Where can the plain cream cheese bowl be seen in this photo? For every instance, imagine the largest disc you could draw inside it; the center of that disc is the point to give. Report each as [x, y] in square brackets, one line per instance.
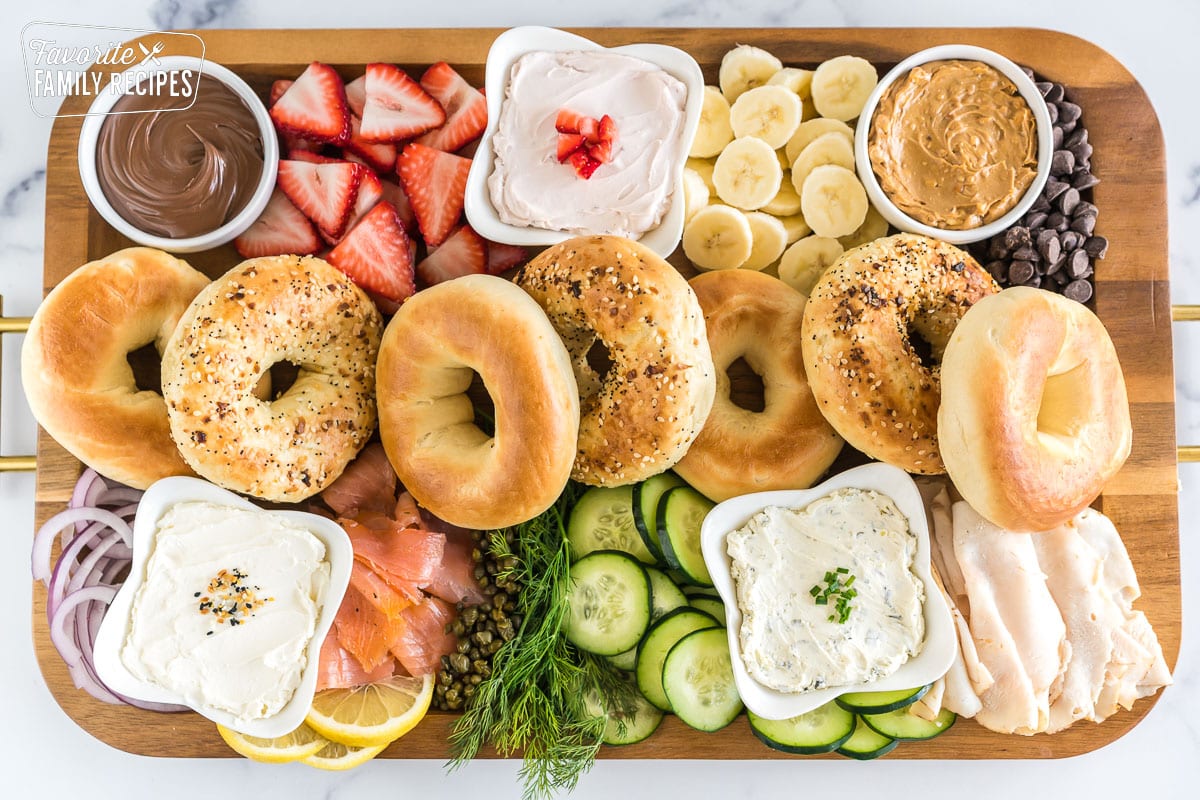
[111, 639]
[939, 646]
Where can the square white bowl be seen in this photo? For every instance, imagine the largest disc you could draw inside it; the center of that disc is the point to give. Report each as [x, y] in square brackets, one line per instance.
[113, 630]
[940, 645]
[516, 42]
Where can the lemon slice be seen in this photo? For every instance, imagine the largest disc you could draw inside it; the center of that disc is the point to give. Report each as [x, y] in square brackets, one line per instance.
[336, 756]
[371, 715]
[299, 744]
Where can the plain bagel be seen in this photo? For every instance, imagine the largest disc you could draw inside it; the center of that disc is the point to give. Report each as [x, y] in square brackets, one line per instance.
[1034, 417]
[640, 416]
[75, 370]
[787, 445]
[431, 349]
[264, 311]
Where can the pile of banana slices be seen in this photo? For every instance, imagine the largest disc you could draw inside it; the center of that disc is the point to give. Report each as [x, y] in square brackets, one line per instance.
[770, 182]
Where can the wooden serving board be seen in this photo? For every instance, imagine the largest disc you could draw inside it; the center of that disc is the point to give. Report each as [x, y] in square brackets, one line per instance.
[1132, 299]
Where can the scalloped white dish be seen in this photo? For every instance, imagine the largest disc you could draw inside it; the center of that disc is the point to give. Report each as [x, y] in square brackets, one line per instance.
[110, 639]
[505, 50]
[937, 652]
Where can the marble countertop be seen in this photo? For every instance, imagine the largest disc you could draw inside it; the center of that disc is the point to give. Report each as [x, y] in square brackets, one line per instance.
[42, 751]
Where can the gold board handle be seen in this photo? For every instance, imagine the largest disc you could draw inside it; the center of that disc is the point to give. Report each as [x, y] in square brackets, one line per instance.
[1184, 452]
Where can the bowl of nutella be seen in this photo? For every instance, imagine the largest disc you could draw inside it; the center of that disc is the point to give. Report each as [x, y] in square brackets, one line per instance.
[533, 180]
[184, 159]
[955, 143]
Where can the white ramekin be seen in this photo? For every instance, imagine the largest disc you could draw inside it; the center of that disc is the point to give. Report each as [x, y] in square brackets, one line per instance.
[89, 134]
[1045, 137]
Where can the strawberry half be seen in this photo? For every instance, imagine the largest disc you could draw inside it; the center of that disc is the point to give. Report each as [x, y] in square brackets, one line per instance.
[435, 182]
[465, 106]
[379, 156]
[503, 257]
[396, 107]
[377, 254]
[356, 95]
[280, 230]
[314, 106]
[464, 253]
[370, 192]
[277, 90]
[394, 194]
[324, 192]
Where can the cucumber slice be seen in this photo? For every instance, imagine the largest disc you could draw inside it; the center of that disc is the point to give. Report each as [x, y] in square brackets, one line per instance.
[664, 594]
[819, 731]
[698, 679]
[680, 512]
[602, 519]
[626, 661]
[709, 605]
[608, 603]
[881, 702]
[692, 590]
[905, 727]
[865, 744]
[621, 728]
[645, 507]
[652, 652]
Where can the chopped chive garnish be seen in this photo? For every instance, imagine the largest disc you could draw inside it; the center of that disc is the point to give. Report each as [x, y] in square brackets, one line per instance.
[839, 591]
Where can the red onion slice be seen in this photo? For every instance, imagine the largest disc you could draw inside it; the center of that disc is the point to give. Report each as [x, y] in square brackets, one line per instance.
[43, 542]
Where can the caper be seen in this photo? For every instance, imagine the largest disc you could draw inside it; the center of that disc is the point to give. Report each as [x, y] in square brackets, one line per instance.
[460, 662]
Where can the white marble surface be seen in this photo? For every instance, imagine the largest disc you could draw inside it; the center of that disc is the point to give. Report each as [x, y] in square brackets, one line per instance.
[42, 752]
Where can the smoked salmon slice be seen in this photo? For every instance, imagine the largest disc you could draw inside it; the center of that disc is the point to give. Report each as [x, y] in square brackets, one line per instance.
[376, 590]
[406, 513]
[368, 484]
[423, 641]
[409, 555]
[454, 580]
[366, 631]
[338, 669]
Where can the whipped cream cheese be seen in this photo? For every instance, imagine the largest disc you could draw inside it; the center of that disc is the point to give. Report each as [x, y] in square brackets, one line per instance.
[229, 603]
[625, 197]
[788, 641]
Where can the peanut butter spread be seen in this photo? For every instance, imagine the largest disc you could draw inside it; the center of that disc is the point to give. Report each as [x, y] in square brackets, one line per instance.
[954, 144]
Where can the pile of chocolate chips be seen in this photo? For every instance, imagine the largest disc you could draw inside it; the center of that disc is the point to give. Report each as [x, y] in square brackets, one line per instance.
[1054, 246]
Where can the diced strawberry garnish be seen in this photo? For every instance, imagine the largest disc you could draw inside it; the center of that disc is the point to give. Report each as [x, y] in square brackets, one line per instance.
[277, 90]
[569, 121]
[503, 257]
[396, 107]
[314, 106]
[608, 129]
[380, 156]
[370, 192]
[466, 108]
[568, 143]
[356, 95]
[584, 164]
[589, 128]
[435, 182]
[281, 229]
[324, 192]
[312, 157]
[377, 254]
[600, 152]
[464, 253]
[394, 194]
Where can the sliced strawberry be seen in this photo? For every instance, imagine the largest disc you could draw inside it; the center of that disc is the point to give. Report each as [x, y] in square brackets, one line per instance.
[568, 121]
[466, 108]
[324, 192]
[384, 305]
[608, 129]
[379, 156]
[396, 107]
[503, 257]
[280, 230]
[377, 254]
[356, 95]
[277, 90]
[301, 154]
[370, 192]
[568, 143]
[464, 253]
[394, 194]
[435, 182]
[314, 106]
[600, 152]
[589, 128]
[584, 164]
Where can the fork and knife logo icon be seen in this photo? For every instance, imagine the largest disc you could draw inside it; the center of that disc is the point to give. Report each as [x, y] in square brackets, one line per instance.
[151, 55]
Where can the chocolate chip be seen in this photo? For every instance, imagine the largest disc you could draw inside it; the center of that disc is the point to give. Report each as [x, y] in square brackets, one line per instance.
[997, 248]
[1020, 271]
[1044, 87]
[1086, 209]
[1057, 136]
[1096, 247]
[1055, 187]
[1078, 136]
[1062, 162]
[1068, 112]
[1067, 127]
[1055, 266]
[1077, 263]
[1084, 180]
[1025, 253]
[1035, 282]
[1079, 291]
[1056, 93]
[1071, 240]
[1082, 151]
[1040, 204]
[1068, 200]
[1060, 277]
[1035, 219]
[1058, 221]
[997, 269]
[1028, 72]
[1016, 237]
[1052, 110]
[1049, 246]
[1085, 225]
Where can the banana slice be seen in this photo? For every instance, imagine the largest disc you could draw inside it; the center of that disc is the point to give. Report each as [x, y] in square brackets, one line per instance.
[769, 240]
[713, 132]
[770, 113]
[786, 201]
[703, 168]
[745, 67]
[873, 227]
[718, 237]
[810, 130]
[833, 201]
[695, 193]
[796, 227]
[796, 80]
[832, 148]
[841, 86]
[747, 175]
[804, 262]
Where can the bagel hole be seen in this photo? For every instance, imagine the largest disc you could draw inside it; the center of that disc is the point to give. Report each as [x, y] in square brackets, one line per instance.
[485, 407]
[598, 359]
[921, 347]
[283, 375]
[745, 386]
[1063, 410]
[146, 365]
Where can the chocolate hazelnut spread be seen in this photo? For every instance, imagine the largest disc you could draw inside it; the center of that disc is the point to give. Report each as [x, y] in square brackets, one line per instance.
[177, 171]
[954, 144]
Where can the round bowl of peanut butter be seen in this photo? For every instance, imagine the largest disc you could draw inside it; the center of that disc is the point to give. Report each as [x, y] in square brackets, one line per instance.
[957, 144]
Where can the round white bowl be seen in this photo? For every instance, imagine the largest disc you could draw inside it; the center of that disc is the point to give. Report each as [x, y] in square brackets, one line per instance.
[940, 645]
[89, 134]
[1045, 138]
[516, 42]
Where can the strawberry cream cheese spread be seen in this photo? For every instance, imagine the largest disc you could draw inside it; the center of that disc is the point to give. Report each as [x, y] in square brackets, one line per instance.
[626, 196]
